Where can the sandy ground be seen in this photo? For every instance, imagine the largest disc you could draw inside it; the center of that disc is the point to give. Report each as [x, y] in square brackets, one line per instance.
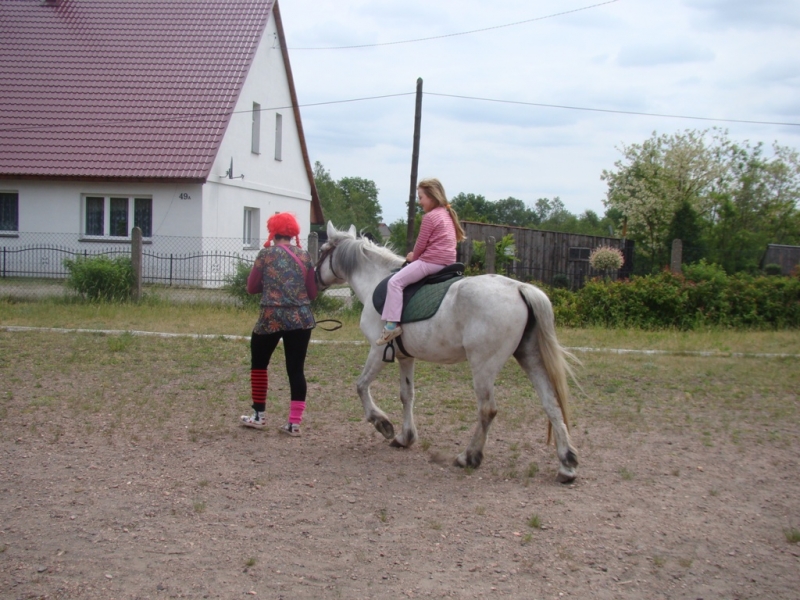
[337, 513]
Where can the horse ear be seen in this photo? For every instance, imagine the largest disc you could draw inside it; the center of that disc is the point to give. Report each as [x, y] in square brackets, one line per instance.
[352, 231]
[331, 229]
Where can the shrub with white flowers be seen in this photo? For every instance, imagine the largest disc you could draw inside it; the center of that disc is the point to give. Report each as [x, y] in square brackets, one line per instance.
[605, 258]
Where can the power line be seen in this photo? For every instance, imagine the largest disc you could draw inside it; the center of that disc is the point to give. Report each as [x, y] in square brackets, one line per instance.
[618, 112]
[87, 121]
[447, 35]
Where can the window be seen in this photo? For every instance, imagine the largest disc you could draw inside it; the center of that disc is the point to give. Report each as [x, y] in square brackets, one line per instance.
[278, 135]
[579, 253]
[143, 215]
[256, 134]
[250, 227]
[116, 216]
[9, 211]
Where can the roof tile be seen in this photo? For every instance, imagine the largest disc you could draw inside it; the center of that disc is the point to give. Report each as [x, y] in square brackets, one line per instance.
[112, 88]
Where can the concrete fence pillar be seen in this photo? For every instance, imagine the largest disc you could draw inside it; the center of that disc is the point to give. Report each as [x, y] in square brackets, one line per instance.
[313, 246]
[490, 254]
[677, 256]
[136, 259]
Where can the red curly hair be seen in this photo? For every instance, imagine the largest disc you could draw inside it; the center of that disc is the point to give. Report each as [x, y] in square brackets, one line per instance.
[284, 225]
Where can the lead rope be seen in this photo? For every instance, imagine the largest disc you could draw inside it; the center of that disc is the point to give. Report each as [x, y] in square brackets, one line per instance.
[338, 324]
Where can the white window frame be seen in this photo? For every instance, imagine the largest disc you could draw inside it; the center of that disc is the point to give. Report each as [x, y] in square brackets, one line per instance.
[250, 227]
[278, 136]
[255, 145]
[14, 231]
[130, 215]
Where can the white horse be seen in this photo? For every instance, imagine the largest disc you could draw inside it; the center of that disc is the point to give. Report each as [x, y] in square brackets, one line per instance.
[483, 320]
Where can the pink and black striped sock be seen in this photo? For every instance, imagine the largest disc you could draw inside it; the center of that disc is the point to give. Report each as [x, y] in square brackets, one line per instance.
[259, 382]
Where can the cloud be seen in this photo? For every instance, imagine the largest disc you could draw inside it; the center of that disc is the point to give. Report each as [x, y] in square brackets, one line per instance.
[705, 58]
[670, 53]
[746, 14]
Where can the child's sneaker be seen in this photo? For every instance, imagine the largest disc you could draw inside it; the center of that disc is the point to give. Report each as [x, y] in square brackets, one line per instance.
[292, 429]
[256, 420]
[387, 335]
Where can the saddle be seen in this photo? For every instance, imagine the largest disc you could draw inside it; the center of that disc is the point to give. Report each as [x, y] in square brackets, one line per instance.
[421, 300]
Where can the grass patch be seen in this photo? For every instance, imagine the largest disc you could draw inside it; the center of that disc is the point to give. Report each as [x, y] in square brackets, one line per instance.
[792, 535]
[150, 381]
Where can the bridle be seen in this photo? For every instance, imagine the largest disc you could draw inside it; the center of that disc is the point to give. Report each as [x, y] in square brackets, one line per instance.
[326, 254]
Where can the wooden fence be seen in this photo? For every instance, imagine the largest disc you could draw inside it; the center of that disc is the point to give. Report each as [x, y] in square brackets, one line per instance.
[551, 257]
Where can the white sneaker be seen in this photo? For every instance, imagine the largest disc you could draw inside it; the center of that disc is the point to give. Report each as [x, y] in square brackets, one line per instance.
[387, 335]
[292, 429]
[256, 420]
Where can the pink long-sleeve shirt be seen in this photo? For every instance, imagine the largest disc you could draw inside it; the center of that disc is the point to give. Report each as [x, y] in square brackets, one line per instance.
[437, 238]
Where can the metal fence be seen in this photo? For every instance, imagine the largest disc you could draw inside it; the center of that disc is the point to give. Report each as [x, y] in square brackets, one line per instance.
[33, 265]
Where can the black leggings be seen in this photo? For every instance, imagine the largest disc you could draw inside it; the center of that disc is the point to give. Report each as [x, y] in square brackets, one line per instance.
[295, 346]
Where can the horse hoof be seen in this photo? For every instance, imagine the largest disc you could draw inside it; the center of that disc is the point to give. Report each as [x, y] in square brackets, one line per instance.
[385, 428]
[565, 477]
[469, 459]
[395, 444]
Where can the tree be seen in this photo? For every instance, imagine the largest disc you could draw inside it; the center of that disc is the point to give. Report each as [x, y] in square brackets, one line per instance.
[655, 178]
[349, 201]
[514, 212]
[553, 215]
[756, 205]
[687, 227]
[472, 207]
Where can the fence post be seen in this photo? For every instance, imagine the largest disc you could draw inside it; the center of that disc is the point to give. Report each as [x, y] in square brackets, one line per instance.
[313, 246]
[490, 254]
[677, 256]
[136, 259]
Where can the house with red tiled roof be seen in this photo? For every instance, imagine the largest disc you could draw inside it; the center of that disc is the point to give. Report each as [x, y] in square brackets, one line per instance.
[179, 117]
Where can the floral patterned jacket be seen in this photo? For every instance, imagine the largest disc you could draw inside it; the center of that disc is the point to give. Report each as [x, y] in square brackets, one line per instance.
[285, 305]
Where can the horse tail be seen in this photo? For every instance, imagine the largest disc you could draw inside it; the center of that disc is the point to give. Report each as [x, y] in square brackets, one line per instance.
[542, 324]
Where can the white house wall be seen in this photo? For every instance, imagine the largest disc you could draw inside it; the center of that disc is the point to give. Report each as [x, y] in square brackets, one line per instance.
[268, 185]
[48, 208]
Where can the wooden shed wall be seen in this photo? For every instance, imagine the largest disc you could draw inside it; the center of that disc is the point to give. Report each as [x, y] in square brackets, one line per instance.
[541, 255]
[788, 257]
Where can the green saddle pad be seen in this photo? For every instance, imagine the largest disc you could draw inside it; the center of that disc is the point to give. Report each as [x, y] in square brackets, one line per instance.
[424, 304]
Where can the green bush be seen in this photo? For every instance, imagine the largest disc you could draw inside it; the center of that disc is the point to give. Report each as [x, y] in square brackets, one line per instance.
[704, 296]
[561, 280]
[236, 285]
[504, 255]
[773, 269]
[565, 306]
[100, 278]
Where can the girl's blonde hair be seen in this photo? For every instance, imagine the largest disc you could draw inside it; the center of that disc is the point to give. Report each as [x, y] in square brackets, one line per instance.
[435, 191]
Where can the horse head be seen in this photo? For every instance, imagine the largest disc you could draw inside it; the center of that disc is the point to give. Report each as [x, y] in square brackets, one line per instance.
[326, 275]
[358, 261]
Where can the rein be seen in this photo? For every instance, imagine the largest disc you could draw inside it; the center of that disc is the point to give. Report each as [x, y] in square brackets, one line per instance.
[338, 324]
[327, 253]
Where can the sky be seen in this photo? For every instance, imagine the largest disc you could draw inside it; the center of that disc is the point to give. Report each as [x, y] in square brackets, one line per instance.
[533, 98]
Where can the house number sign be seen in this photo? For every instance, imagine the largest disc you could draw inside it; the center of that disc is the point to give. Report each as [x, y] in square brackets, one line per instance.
[185, 196]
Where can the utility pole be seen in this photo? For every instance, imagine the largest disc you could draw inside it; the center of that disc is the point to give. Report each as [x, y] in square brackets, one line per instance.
[412, 196]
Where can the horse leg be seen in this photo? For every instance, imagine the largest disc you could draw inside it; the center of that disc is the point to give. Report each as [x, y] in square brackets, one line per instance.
[531, 363]
[409, 434]
[484, 373]
[372, 413]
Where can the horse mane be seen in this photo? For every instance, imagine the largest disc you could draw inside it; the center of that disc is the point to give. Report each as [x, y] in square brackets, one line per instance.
[351, 252]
